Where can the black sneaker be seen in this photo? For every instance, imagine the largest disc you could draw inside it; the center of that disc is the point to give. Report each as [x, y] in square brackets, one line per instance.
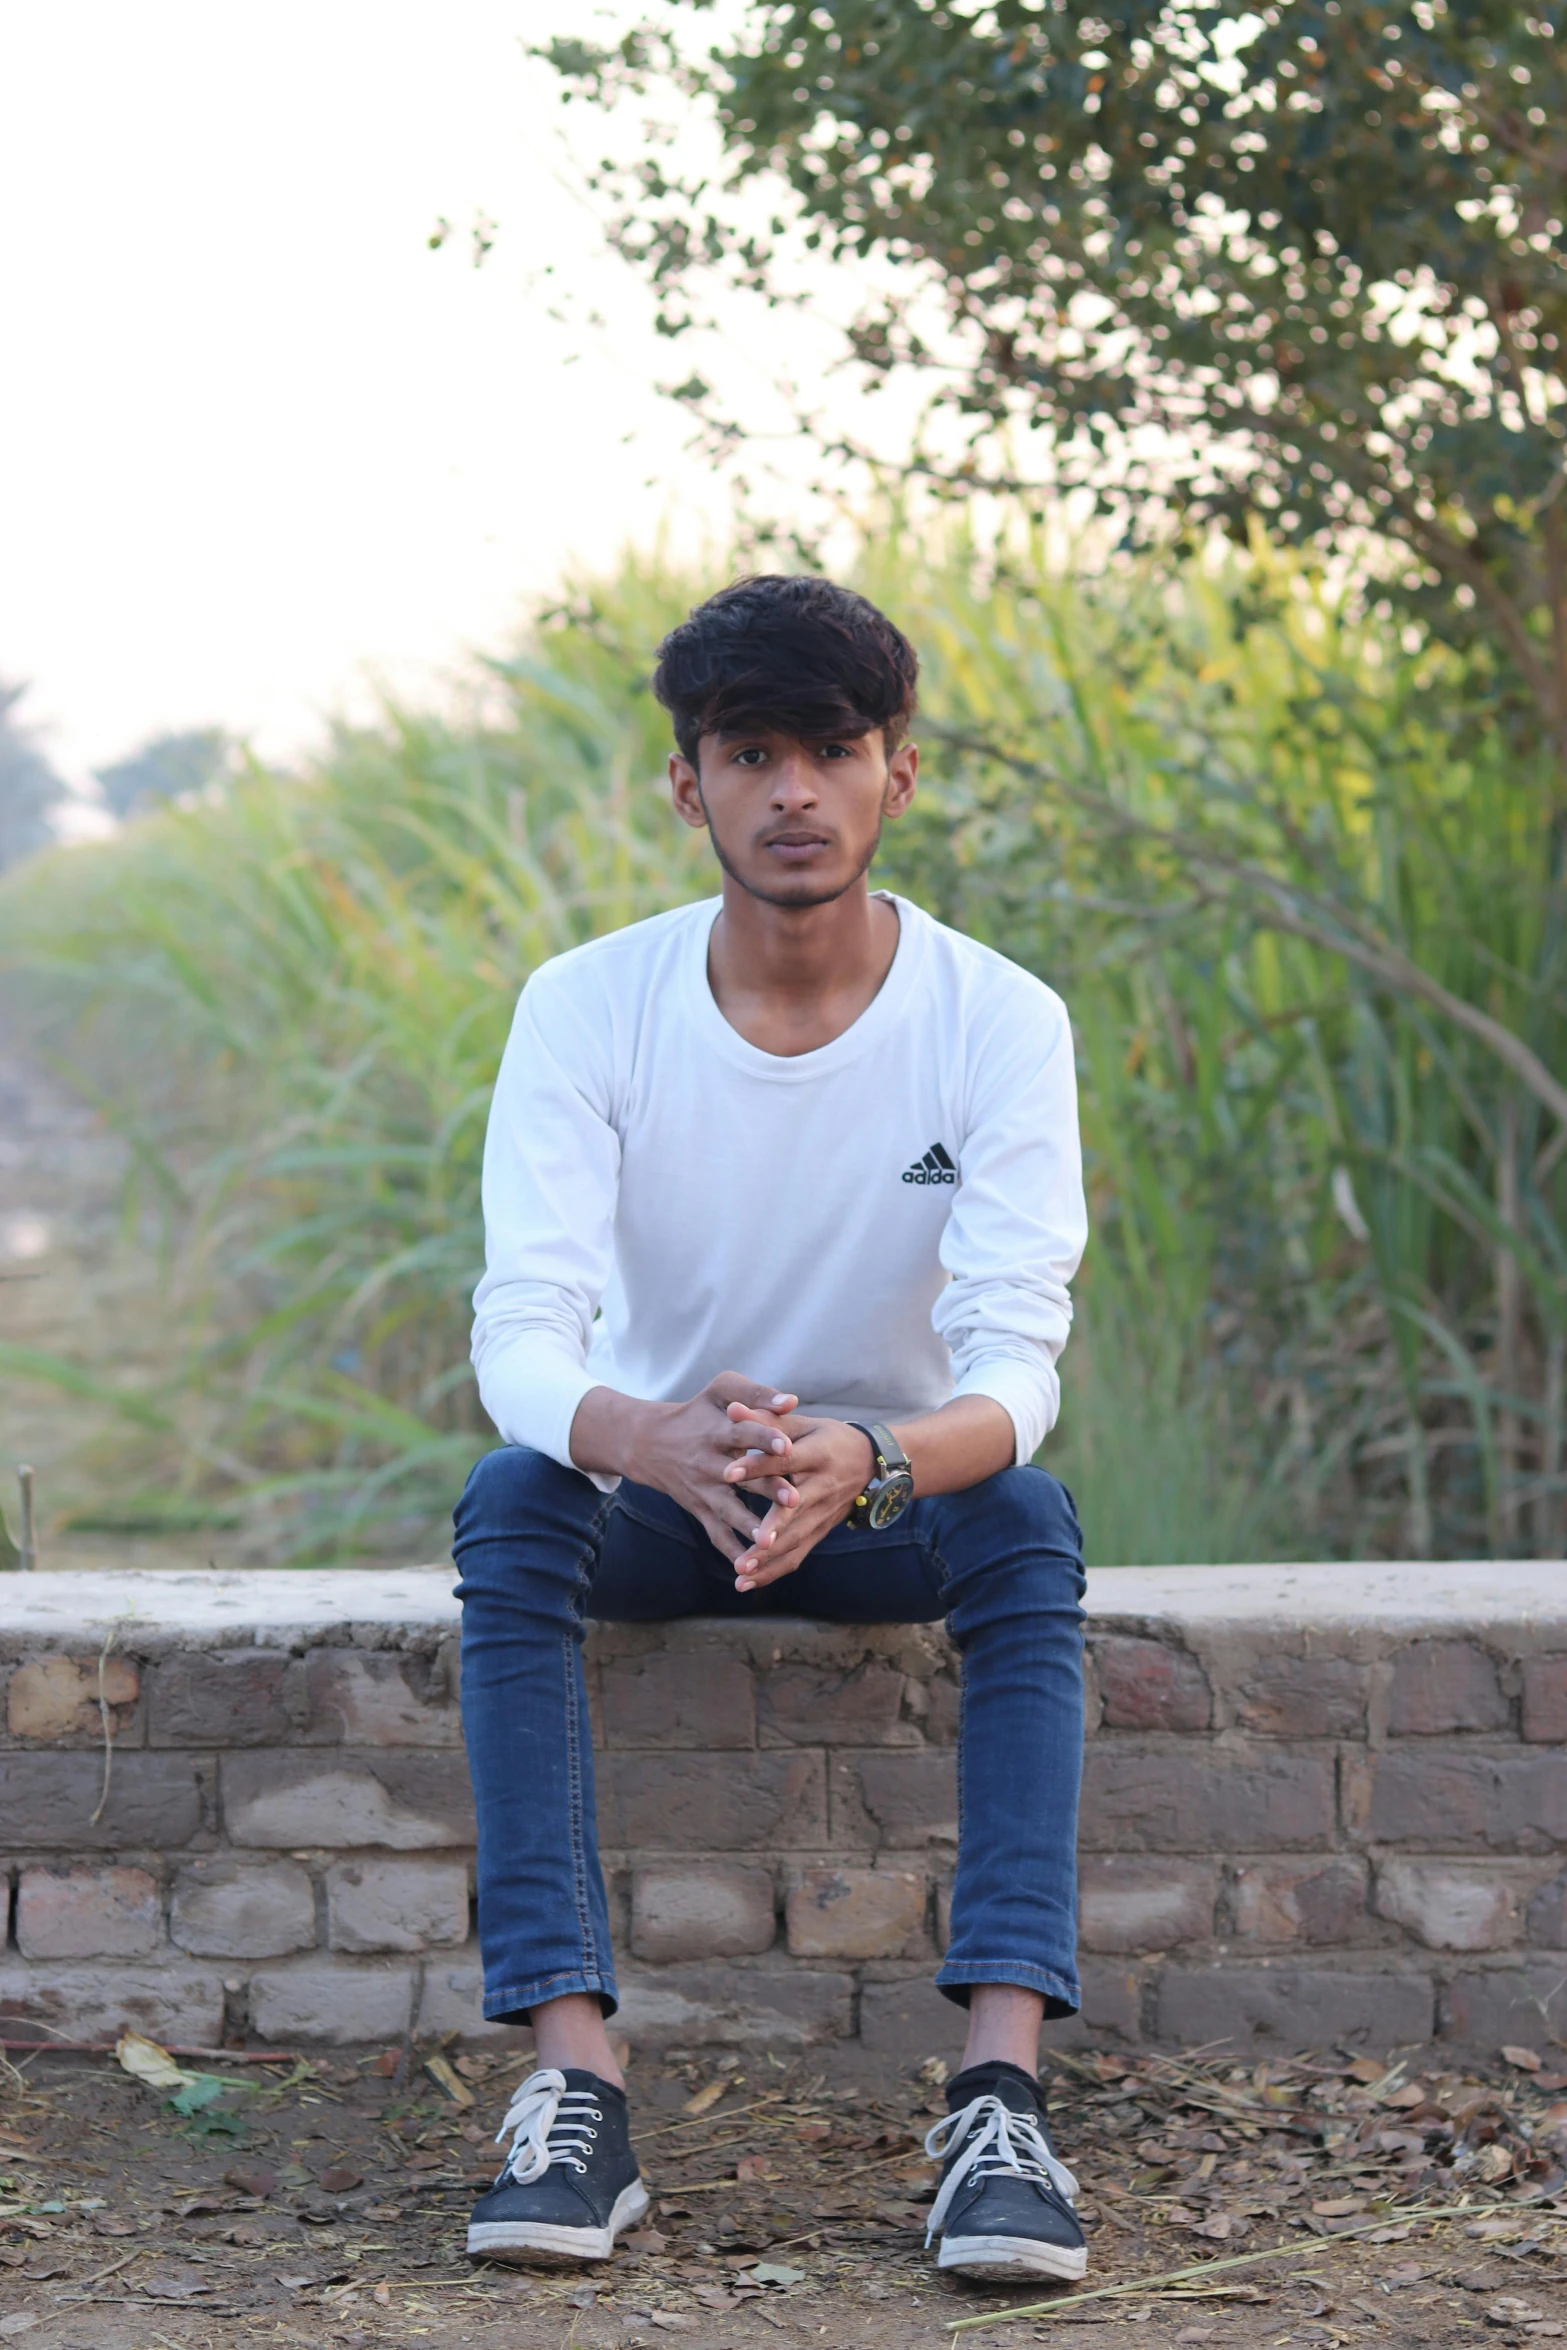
[570, 2183]
[1003, 2210]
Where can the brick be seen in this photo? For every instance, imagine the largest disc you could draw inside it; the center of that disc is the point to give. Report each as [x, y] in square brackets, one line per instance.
[1311, 1901]
[698, 1698]
[1519, 2006]
[857, 1913]
[943, 1914]
[1441, 1685]
[1303, 1697]
[1149, 1685]
[1545, 1700]
[1460, 1801]
[155, 1801]
[331, 2000]
[97, 2002]
[1127, 1903]
[1112, 2006]
[894, 1800]
[1293, 2007]
[735, 2007]
[694, 1803]
[88, 1913]
[941, 1720]
[359, 1697]
[803, 1706]
[1547, 1918]
[451, 1999]
[56, 1697]
[396, 1904]
[405, 1801]
[910, 2021]
[1447, 1904]
[243, 1909]
[686, 1914]
[1211, 1799]
[218, 1697]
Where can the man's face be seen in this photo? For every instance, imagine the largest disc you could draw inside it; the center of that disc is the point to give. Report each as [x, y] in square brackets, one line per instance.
[794, 823]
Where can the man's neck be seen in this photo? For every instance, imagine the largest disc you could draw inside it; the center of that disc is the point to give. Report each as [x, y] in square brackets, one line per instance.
[790, 979]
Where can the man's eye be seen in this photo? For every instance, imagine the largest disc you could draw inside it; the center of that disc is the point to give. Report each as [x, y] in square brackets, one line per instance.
[752, 756]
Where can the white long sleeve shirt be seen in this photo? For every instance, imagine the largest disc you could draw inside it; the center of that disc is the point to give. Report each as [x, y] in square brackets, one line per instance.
[875, 1226]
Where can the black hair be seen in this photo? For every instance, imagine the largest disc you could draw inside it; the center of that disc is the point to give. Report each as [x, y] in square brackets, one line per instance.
[792, 655]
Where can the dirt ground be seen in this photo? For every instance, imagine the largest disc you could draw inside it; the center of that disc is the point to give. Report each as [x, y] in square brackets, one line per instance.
[326, 2201]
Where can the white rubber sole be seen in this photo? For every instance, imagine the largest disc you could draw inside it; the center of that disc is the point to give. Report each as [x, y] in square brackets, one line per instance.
[1000, 2259]
[499, 2239]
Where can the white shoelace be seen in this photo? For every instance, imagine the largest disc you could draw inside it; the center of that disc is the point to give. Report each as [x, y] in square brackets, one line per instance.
[547, 2122]
[1004, 2143]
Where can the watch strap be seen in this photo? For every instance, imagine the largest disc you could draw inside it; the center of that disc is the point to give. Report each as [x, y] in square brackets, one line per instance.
[886, 1452]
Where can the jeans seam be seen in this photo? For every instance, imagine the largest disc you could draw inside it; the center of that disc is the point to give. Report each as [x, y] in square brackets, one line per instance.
[569, 1642]
[944, 1575]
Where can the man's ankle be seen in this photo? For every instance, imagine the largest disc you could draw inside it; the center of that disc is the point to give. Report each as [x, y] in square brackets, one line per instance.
[1003, 2026]
[569, 2036]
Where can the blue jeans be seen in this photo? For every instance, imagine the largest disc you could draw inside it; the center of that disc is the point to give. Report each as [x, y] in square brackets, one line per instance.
[540, 1548]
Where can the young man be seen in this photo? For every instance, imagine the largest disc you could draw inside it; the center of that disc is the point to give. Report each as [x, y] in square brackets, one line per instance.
[806, 1131]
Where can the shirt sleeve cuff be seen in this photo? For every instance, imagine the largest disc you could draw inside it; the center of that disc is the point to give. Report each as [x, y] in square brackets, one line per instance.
[1028, 1393]
[536, 1407]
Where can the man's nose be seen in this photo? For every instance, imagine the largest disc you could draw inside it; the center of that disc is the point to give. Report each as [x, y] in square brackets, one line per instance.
[794, 782]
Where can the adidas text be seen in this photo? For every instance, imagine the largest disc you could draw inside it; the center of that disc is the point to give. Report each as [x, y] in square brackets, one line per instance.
[935, 1167]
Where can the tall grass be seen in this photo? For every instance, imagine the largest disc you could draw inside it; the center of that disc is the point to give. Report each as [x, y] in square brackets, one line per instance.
[1230, 817]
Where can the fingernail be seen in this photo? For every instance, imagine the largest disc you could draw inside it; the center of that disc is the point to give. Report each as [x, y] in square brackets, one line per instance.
[779, 1402]
[780, 1444]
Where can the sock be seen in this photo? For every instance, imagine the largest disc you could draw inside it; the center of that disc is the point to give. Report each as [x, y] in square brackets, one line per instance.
[995, 2077]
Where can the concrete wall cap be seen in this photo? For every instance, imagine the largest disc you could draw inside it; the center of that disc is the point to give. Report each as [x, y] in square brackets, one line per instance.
[154, 1608]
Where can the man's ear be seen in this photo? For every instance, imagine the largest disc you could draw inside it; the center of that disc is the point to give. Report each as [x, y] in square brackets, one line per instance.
[686, 792]
[902, 769]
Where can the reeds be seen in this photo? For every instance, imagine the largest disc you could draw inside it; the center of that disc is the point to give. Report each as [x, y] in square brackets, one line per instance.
[1298, 903]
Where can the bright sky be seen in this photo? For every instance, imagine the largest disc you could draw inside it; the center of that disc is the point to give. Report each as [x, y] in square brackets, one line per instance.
[256, 439]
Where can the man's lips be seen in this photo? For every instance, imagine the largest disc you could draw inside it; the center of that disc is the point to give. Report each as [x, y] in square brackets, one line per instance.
[795, 847]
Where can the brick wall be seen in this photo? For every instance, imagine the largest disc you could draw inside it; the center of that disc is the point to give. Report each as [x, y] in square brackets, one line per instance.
[1319, 1804]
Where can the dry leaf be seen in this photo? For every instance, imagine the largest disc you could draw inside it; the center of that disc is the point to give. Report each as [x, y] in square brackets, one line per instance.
[1406, 2099]
[1523, 2060]
[706, 2098]
[440, 2071]
[146, 2061]
[251, 2179]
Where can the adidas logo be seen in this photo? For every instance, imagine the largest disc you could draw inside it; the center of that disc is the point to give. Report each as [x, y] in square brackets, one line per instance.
[934, 1167]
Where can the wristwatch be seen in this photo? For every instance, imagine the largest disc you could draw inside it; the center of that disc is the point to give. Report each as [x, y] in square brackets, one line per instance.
[890, 1490]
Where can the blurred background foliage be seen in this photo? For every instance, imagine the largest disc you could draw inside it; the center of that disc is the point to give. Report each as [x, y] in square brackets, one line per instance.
[1304, 904]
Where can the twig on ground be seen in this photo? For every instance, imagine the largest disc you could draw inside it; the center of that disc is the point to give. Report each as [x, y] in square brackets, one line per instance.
[85, 2284]
[1139, 2287]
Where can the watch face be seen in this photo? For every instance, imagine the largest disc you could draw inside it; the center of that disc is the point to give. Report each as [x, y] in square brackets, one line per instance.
[890, 1498]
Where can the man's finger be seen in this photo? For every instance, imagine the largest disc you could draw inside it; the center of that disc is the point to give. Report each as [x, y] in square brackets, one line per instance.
[755, 1435]
[731, 1542]
[731, 1387]
[770, 1570]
